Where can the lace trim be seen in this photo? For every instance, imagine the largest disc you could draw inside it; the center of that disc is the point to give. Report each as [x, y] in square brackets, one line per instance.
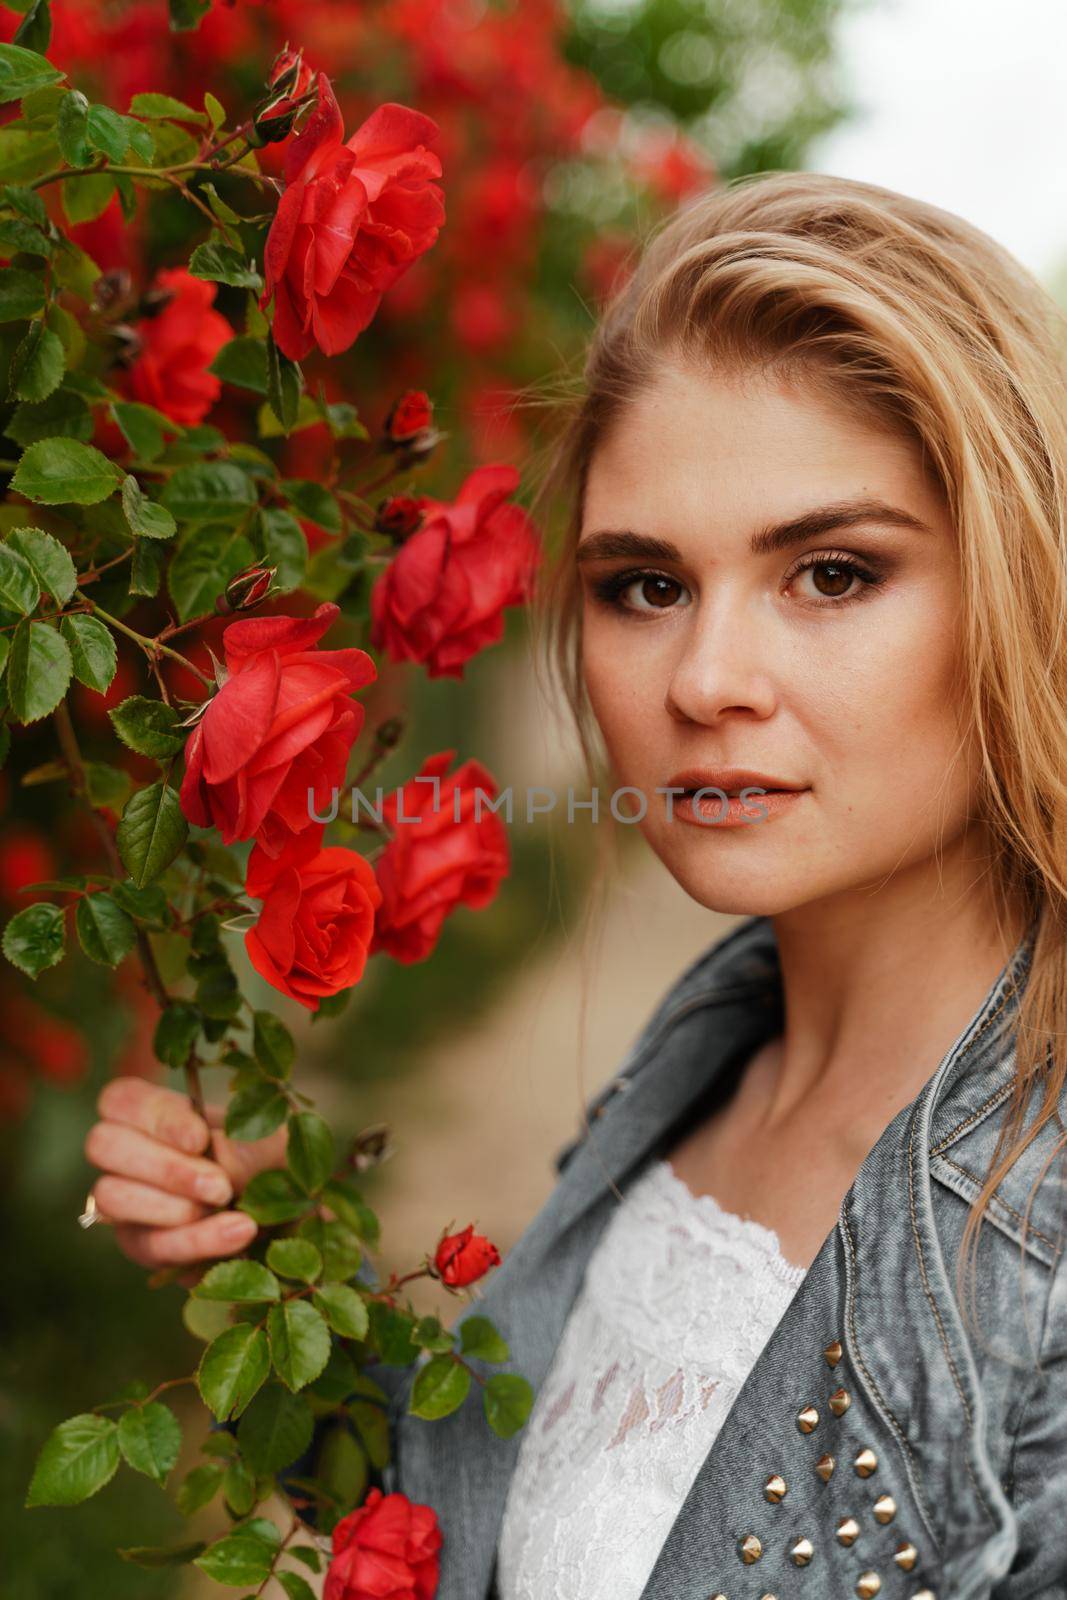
[788, 1271]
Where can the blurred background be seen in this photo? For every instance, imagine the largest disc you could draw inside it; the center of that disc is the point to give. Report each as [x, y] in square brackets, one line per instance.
[567, 130]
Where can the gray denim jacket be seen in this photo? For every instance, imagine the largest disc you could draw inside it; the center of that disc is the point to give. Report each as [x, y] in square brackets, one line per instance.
[949, 1455]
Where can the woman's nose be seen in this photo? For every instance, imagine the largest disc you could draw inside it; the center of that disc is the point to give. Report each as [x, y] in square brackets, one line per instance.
[722, 664]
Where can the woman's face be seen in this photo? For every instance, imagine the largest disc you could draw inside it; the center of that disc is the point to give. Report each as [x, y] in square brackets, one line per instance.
[770, 583]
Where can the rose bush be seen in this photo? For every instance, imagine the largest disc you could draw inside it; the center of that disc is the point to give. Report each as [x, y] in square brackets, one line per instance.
[129, 518]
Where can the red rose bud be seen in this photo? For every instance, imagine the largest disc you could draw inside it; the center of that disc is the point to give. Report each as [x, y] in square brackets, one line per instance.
[289, 80]
[246, 589]
[409, 415]
[464, 1257]
[387, 1549]
[399, 517]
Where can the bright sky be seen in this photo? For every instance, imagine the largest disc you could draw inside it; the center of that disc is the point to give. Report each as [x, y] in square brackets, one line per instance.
[965, 107]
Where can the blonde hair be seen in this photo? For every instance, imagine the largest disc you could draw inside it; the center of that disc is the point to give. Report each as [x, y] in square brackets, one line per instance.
[932, 327]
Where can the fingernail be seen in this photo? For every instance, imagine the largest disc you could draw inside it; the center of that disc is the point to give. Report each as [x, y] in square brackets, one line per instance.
[214, 1187]
[239, 1229]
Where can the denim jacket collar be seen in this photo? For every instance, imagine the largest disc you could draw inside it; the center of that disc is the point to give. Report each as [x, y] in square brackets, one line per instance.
[880, 1278]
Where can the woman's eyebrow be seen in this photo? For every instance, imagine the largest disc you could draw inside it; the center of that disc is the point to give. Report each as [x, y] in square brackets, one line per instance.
[609, 542]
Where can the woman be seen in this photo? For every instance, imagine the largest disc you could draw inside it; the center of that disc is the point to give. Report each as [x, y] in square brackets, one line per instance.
[817, 550]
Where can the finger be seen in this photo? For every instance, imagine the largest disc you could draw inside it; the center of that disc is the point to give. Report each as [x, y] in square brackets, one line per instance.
[222, 1234]
[116, 1147]
[163, 1113]
[243, 1158]
[124, 1200]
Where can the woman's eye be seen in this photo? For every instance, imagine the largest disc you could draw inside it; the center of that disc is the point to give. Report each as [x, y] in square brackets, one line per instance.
[642, 591]
[835, 579]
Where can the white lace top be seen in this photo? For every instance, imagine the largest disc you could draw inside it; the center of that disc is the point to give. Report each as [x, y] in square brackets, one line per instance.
[678, 1299]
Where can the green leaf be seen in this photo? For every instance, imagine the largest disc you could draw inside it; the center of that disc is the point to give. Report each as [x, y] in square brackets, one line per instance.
[284, 546]
[146, 572]
[106, 786]
[186, 14]
[255, 1111]
[38, 671]
[243, 362]
[237, 1559]
[106, 933]
[149, 905]
[431, 1336]
[205, 561]
[59, 471]
[232, 1368]
[23, 71]
[245, 1282]
[299, 1342]
[221, 263]
[35, 938]
[198, 1487]
[296, 1587]
[314, 502]
[478, 1337]
[143, 427]
[273, 1044]
[272, 1197]
[150, 1439]
[77, 1459]
[38, 364]
[344, 1309]
[275, 1430]
[105, 130]
[283, 386]
[176, 1033]
[34, 32]
[151, 832]
[310, 1156]
[148, 726]
[165, 105]
[205, 1320]
[207, 490]
[63, 415]
[239, 1488]
[76, 270]
[92, 651]
[141, 140]
[295, 1258]
[391, 1331]
[175, 1555]
[338, 1246]
[507, 1399]
[440, 1387]
[27, 153]
[16, 234]
[85, 198]
[308, 1555]
[50, 560]
[21, 294]
[345, 1200]
[215, 109]
[145, 517]
[70, 129]
[19, 587]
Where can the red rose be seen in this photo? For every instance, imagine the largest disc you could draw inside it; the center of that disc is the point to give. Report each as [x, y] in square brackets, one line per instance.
[282, 723]
[464, 1257]
[385, 1550]
[352, 219]
[400, 516]
[313, 934]
[177, 347]
[435, 863]
[408, 416]
[442, 598]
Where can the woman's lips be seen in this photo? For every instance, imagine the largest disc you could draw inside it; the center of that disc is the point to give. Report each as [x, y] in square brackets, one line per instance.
[715, 810]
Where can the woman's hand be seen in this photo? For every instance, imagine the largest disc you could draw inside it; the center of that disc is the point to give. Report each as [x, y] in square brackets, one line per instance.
[166, 1171]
